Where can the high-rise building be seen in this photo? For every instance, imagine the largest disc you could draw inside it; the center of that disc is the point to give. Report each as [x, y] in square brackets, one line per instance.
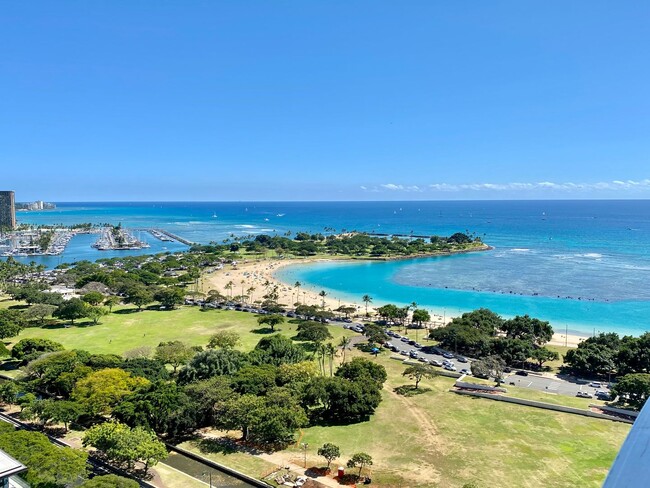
[7, 210]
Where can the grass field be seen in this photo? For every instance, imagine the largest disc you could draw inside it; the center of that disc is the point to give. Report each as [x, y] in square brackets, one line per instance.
[434, 439]
[126, 329]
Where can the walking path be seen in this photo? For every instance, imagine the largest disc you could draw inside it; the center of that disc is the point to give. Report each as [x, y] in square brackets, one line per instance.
[280, 460]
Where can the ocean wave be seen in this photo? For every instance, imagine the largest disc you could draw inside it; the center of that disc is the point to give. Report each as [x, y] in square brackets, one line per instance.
[590, 255]
[520, 249]
[245, 226]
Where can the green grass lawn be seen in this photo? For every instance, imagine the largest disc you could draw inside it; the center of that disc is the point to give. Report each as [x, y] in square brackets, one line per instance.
[442, 439]
[125, 329]
[436, 439]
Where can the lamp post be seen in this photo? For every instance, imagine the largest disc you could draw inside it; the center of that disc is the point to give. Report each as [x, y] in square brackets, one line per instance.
[209, 477]
[304, 447]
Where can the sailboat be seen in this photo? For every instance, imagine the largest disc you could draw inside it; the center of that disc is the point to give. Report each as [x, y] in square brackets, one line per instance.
[214, 215]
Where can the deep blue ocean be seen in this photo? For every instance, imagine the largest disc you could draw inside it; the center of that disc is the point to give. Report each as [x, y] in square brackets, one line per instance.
[584, 265]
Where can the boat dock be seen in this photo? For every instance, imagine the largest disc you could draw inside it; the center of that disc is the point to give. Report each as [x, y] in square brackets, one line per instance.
[166, 236]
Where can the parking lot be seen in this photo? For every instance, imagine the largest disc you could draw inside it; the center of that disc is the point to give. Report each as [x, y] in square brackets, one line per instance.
[535, 381]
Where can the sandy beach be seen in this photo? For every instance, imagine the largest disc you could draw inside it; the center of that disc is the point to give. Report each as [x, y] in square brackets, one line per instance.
[259, 275]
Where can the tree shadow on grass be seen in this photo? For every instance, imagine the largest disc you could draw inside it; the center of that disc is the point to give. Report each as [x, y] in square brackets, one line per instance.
[10, 365]
[410, 390]
[18, 307]
[264, 330]
[126, 311]
[227, 445]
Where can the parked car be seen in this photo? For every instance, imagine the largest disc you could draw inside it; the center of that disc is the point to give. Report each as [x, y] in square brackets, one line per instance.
[461, 359]
[584, 394]
[603, 395]
[435, 362]
[465, 371]
[448, 355]
[596, 384]
[411, 342]
[387, 345]
[418, 345]
[423, 359]
[404, 339]
[413, 354]
[394, 348]
[522, 373]
[404, 353]
[449, 367]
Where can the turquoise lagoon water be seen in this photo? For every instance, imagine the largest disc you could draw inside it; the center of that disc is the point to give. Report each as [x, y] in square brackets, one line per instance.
[581, 264]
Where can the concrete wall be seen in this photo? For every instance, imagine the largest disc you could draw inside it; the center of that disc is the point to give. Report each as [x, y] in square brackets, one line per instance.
[219, 467]
[546, 406]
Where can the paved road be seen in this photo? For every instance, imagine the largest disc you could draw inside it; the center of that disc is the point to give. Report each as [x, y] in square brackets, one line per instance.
[532, 380]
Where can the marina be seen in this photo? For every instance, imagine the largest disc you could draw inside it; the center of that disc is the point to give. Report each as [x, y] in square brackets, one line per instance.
[118, 238]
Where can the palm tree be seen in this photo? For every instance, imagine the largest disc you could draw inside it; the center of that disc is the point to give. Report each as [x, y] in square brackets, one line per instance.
[297, 285]
[331, 352]
[367, 299]
[321, 350]
[229, 286]
[323, 294]
[242, 286]
[250, 293]
[344, 344]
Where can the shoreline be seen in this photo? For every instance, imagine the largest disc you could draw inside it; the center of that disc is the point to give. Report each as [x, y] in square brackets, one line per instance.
[260, 275]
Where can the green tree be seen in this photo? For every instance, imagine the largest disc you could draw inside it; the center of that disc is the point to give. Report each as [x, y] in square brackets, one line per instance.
[272, 320]
[111, 301]
[95, 313]
[27, 350]
[109, 481]
[170, 297]
[490, 366]
[162, 406]
[48, 465]
[71, 310]
[344, 344]
[139, 295]
[360, 460]
[375, 334]
[213, 362]
[57, 411]
[256, 380]
[420, 316]
[11, 323]
[39, 311]
[174, 353]
[633, 389]
[543, 354]
[93, 298]
[276, 350]
[536, 331]
[224, 340]
[417, 372]
[361, 369]
[100, 391]
[313, 332]
[330, 452]
[124, 445]
[322, 294]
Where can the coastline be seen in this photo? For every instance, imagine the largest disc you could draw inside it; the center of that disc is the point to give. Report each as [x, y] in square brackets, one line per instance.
[261, 275]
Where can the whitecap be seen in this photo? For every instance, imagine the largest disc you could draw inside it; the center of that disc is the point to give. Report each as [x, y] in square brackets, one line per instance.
[590, 255]
[245, 226]
[520, 249]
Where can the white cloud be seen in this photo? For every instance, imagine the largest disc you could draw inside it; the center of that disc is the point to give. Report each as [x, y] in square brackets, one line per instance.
[543, 186]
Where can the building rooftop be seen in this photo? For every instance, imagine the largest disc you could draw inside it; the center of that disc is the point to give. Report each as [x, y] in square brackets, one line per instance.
[9, 466]
[631, 468]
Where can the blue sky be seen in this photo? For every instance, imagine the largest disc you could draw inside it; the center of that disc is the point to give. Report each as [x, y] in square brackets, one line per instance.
[335, 100]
